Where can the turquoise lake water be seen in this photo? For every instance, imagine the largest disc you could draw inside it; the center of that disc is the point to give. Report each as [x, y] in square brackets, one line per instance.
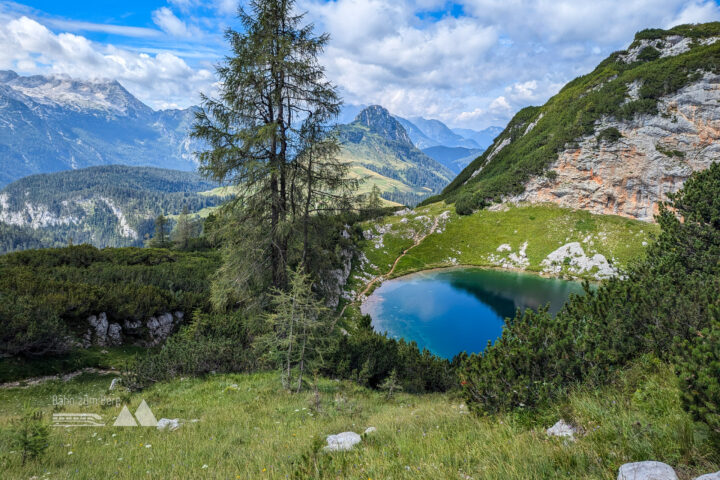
[455, 310]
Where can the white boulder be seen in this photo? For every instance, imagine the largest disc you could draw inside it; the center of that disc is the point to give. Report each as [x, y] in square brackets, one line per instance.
[646, 471]
[114, 334]
[562, 429]
[709, 476]
[342, 441]
[169, 424]
[100, 325]
[370, 430]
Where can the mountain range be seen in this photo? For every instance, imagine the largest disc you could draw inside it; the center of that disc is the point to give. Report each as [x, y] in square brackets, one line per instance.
[615, 141]
[53, 123]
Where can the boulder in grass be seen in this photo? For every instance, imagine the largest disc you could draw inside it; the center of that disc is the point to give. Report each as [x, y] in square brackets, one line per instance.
[342, 441]
[709, 476]
[646, 471]
[169, 424]
[370, 430]
[562, 429]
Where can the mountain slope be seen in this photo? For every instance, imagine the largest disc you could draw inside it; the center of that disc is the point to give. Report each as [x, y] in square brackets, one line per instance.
[614, 141]
[48, 124]
[105, 206]
[376, 141]
[454, 158]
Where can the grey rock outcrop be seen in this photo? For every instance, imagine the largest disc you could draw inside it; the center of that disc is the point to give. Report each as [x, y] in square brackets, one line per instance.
[99, 325]
[114, 334]
[342, 441]
[646, 471]
[654, 157]
[152, 332]
[336, 279]
[160, 327]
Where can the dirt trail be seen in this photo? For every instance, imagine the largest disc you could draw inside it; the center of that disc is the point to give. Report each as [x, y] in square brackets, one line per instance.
[418, 241]
[29, 382]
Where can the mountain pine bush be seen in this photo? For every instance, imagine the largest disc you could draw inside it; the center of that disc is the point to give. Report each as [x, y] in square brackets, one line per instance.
[667, 306]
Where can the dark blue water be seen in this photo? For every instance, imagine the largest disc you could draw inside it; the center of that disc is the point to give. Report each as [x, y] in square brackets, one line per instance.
[456, 310]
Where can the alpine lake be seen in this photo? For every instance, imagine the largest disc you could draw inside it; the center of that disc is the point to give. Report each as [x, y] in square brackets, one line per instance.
[452, 310]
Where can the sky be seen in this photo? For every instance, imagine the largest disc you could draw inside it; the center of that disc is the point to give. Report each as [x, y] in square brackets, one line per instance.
[469, 63]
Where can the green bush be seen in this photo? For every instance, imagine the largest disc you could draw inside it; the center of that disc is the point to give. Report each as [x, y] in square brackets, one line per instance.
[667, 306]
[210, 343]
[698, 361]
[648, 54]
[47, 295]
[371, 359]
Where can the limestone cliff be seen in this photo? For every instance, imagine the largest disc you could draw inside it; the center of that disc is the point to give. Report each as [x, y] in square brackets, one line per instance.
[654, 156]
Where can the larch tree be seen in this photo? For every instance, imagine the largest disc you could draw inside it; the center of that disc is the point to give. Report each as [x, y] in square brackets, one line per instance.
[267, 133]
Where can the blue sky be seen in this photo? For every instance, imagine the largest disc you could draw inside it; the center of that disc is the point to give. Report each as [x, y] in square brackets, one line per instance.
[469, 63]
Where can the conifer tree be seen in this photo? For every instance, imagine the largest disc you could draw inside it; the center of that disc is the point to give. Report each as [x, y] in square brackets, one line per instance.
[183, 230]
[267, 134]
[296, 329]
[160, 230]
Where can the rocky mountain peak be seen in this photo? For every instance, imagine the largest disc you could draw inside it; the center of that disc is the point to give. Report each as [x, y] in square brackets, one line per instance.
[61, 90]
[379, 121]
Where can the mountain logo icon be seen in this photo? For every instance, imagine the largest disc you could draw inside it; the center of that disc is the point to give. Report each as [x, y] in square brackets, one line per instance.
[144, 416]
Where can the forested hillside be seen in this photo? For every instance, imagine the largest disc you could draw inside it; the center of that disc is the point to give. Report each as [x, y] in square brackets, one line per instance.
[103, 206]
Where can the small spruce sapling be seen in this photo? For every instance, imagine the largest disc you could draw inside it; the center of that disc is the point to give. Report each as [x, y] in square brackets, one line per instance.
[30, 435]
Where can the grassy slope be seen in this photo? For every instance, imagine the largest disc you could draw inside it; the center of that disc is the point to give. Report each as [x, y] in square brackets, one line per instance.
[256, 430]
[470, 240]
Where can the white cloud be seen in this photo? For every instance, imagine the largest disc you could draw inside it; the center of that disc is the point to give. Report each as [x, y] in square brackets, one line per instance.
[484, 66]
[158, 80]
[166, 19]
[411, 56]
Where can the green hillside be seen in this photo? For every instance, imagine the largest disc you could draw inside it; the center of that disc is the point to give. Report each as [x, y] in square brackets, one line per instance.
[516, 238]
[377, 142]
[104, 206]
[535, 135]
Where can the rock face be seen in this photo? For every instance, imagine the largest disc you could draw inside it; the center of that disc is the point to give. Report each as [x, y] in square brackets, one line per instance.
[646, 471]
[379, 121]
[654, 156]
[100, 325]
[152, 332]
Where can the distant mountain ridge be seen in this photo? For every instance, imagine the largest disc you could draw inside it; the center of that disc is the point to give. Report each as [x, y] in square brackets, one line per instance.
[54, 123]
[454, 158]
[426, 133]
[381, 152]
